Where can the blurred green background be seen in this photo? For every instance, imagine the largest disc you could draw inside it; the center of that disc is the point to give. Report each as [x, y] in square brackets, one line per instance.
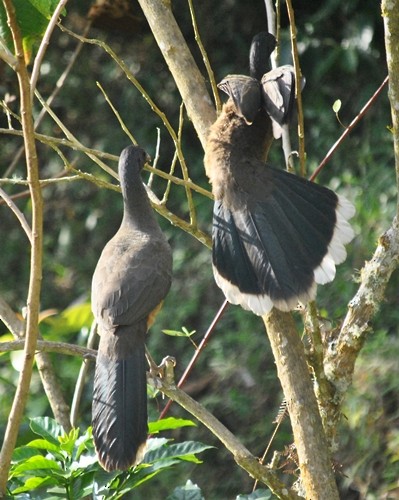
[342, 56]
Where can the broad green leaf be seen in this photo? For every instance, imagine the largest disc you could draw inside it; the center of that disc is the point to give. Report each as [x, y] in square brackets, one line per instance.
[32, 23]
[260, 494]
[154, 444]
[71, 320]
[47, 428]
[82, 486]
[84, 443]
[183, 451]
[189, 491]
[169, 424]
[44, 444]
[35, 482]
[36, 463]
[45, 7]
[23, 453]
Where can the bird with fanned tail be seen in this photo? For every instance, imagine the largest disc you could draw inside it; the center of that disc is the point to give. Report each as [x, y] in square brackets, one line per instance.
[275, 235]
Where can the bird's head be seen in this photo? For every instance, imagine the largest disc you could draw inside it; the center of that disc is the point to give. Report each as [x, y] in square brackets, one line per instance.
[132, 160]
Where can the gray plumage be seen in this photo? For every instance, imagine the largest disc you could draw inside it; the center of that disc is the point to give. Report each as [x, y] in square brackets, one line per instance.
[132, 277]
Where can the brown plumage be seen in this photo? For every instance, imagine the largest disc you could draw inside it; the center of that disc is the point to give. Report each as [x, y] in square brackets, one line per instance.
[275, 235]
[132, 277]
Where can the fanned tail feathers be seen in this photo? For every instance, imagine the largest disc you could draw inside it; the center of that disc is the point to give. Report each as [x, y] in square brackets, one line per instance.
[273, 251]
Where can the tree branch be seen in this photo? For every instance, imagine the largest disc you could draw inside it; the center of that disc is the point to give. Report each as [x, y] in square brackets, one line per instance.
[390, 13]
[241, 455]
[47, 346]
[189, 81]
[375, 275]
[317, 475]
[33, 299]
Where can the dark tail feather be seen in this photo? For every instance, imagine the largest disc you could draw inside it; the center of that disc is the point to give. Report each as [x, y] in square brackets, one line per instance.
[119, 411]
[273, 251]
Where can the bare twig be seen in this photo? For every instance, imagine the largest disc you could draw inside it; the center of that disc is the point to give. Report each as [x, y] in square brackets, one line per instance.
[47, 346]
[118, 116]
[298, 88]
[44, 44]
[198, 352]
[81, 380]
[53, 389]
[205, 58]
[15, 323]
[50, 141]
[181, 64]
[349, 129]
[54, 93]
[19, 215]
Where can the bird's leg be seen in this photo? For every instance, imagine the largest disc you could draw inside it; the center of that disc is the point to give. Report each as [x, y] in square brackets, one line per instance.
[163, 371]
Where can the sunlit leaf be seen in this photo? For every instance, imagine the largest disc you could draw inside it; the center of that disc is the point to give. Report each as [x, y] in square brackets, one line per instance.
[32, 17]
[23, 453]
[183, 451]
[189, 491]
[36, 463]
[35, 482]
[256, 495]
[47, 428]
[337, 105]
[169, 424]
[71, 320]
[44, 444]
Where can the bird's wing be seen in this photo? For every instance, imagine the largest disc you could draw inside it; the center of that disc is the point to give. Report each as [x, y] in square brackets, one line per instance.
[130, 281]
[278, 92]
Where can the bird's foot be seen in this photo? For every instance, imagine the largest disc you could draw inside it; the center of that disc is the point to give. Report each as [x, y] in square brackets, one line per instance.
[164, 371]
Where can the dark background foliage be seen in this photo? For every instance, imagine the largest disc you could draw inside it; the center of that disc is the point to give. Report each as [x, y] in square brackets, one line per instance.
[342, 55]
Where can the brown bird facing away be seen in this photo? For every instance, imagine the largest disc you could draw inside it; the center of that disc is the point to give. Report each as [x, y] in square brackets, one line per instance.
[132, 277]
[275, 235]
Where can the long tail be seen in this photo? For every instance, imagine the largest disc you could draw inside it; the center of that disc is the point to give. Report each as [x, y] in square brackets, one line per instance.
[119, 410]
[274, 250]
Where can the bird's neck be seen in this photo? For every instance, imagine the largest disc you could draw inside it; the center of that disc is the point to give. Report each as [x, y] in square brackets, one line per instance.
[232, 143]
[137, 211]
[255, 139]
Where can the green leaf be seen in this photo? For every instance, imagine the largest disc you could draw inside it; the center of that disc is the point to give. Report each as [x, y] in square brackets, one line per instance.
[260, 494]
[44, 444]
[45, 7]
[71, 320]
[84, 443]
[36, 463]
[176, 333]
[32, 18]
[337, 106]
[23, 453]
[35, 482]
[183, 451]
[47, 428]
[169, 424]
[189, 491]
[67, 441]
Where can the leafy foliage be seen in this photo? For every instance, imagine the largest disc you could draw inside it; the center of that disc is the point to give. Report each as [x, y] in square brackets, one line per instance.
[32, 17]
[59, 465]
